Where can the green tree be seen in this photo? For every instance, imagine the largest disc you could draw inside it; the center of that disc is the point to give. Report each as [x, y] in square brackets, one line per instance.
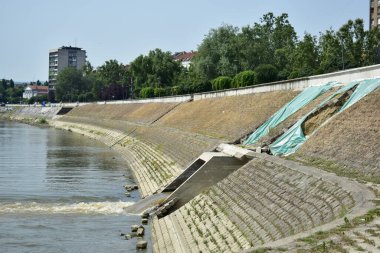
[111, 72]
[305, 57]
[266, 73]
[157, 69]
[159, 92]
[70, 83]
[88, 69]
[273, 36]
[371, 53]
[218, 53]
[147, 92]
[221, 83]
[331, 52]
[244, 78]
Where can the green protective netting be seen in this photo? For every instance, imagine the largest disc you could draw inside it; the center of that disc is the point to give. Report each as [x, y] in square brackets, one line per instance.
[292, 140]
[361, 91]
[305, 97]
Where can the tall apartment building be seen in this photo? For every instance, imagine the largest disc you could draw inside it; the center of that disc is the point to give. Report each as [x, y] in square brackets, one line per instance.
[62, 58]
[374, 14]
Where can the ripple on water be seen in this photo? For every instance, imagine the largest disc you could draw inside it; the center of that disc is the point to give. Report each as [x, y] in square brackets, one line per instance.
[105, 208]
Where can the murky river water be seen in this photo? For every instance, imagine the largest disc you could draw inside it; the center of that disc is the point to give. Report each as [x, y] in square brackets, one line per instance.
[61, 192]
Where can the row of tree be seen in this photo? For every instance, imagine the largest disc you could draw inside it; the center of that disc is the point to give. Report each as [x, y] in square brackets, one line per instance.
[9, 93]
[227, 57]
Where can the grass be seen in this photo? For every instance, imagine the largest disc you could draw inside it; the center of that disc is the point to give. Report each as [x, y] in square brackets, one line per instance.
[42, 121]
[319, 241]
[334, 167]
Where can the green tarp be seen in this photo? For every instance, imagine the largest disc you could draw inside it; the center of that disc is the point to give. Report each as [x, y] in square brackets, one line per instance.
[305, 97]
[361, 91]
[292, 140]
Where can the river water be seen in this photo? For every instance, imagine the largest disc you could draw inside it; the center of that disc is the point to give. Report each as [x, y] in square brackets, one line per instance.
[61, 192]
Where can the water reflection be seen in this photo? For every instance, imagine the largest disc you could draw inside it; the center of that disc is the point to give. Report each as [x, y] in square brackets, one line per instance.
[61, 192]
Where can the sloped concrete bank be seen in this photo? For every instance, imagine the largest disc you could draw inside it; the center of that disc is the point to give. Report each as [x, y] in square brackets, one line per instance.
[152, 168]
[29, 114]
[268, 202]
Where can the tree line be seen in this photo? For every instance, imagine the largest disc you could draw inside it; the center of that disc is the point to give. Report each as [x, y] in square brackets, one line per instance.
[10, 93]
[228, 56]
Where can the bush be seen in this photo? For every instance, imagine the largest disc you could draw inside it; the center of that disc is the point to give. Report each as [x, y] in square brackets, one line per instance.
[199, 87]
[159, 92]
[221, 83]
[147, 92]
[243, 79]
[176, 90]
[42, 121]
[266, 73]
[294, 74]
[89, 96]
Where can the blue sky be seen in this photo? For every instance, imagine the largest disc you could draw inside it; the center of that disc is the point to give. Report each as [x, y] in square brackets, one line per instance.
[124, 29]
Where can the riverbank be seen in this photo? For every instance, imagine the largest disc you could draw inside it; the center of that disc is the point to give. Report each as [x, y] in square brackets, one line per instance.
[268, 202]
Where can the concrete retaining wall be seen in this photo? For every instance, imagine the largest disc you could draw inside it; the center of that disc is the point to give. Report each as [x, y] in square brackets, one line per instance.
[174, 99]
[345, 76]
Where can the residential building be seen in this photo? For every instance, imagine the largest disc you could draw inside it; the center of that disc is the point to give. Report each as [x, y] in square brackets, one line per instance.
[374, 14]
[184, 57]
[62, 58]
[35, 90]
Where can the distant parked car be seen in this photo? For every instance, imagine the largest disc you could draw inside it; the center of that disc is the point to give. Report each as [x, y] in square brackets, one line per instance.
[2, 104]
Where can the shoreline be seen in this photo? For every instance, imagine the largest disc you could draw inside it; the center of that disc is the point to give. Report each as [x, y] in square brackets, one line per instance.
[100, 180]
[221, 212]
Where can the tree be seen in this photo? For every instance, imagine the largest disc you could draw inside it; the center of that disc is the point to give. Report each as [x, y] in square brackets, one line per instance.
[157, 70]
[273, 36]
[147, 92]
[11, 83]
[218, 53]
[221, 83]
[266, 73]
[352, 39]
[70, 83]
[244, 78]
[227, 50]
[371, 53]
[88, 68]
[305, 57]
[331, 52]
[111, 74]
[159, 92]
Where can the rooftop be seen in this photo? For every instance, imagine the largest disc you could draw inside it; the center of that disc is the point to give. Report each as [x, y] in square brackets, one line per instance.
[65, 47]
[184, 56]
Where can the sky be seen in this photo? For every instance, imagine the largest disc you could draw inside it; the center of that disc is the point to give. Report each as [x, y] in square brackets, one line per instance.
[125, 29]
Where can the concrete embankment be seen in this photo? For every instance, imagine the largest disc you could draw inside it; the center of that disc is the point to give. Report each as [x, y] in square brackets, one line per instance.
[266, 201]
[29, 114]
